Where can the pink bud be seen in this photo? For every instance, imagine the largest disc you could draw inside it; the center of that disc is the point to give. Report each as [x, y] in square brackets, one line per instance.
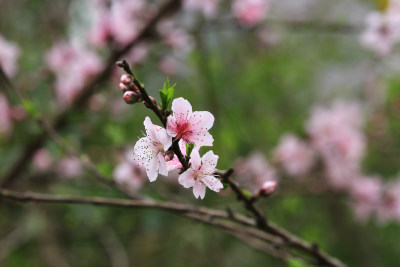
[131, 97]
[134, 88]
[123, 87]
[152, 99]
[267, 188]
[126, 79]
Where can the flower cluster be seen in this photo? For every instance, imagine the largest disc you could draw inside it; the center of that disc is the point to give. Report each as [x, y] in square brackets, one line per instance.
[190, 129]
[383, 29]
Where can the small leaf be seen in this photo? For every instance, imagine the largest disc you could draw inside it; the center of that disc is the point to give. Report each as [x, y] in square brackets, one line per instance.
[30, 108]
[189, 149]
[166, 95]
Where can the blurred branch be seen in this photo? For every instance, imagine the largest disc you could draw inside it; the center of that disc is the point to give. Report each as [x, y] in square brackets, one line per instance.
[262, 223]
[206, 215]
[36, 142]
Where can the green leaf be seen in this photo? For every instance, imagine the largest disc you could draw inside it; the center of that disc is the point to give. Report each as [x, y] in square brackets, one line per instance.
[189, 149]
[30, 108]
[166, 95]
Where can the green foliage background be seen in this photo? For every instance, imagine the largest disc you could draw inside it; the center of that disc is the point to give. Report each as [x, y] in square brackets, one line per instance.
[255, 93]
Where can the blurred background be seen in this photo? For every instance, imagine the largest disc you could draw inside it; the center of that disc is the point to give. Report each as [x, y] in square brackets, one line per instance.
[305, 93]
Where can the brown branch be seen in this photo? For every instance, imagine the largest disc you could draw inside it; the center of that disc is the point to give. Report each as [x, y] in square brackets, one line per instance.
[262, 223]
[59, 122]
[175, 145]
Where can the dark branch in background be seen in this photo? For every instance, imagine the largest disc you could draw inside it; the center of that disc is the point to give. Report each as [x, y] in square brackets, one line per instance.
[36, 142]
[205, 215]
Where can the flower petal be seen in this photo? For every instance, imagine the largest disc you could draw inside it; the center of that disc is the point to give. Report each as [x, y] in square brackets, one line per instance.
[162, 167]
[209, 161]
[152, 169]
[172, 127]
[182, 109]
[150, 130]
[201, 121]
[195, 159]
[199, 190]
[201, 139]
[164, 138]
[212, 183]
[186, 179]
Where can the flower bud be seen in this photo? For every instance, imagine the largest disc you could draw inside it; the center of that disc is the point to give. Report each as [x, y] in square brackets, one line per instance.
[169, 155]
[152, 99]
[133, 87]
[267, 188]
[131, 97]
[126, 79]
[123, 87]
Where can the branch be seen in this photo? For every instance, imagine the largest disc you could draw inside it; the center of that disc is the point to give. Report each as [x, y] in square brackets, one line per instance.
[38, 140]
[262, 223]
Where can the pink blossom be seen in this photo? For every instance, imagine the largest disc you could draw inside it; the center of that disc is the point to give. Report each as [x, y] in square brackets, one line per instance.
[268, 187]
[389, 206]
[129, 173]
[296, 156]
[5, 116]
[70, 167]
[382, 32]
[168, 65]
[200, 174]
[192, 127]
[366, 192]
[9, 54]
[121, 22]
[150, 150]
[42, 159]
[178, 39]
[336, 135]
[74, 66]
[209, 8]
[250, 12]
[252, 172]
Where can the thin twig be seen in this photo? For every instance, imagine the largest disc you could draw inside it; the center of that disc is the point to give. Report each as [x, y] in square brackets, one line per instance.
[37, 141]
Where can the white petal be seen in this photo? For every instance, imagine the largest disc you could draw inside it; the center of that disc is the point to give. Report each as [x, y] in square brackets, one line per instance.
[164, 138]
[150, 130]
[162, 165]
[195, 159]
[209, 161]
[186, 179]
[152, 169]
[212, 183]
[199, 190]
[182, 109]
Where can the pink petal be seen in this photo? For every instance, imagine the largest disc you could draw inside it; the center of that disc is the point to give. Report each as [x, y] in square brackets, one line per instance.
[201, 121]
[212, 183]
[195, 160]
[209, 162]
[172, 128]
[182, 109]
[199, 190]
[186, 179]
[202, 139]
